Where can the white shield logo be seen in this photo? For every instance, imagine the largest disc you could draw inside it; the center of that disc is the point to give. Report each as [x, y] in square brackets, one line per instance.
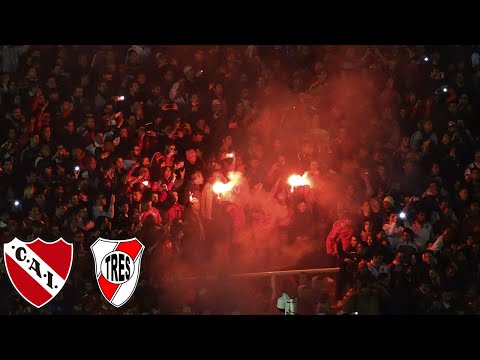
[117, 268]
[38, 269]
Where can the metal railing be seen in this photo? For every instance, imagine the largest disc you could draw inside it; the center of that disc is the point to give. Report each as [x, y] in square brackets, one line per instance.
[265, 274]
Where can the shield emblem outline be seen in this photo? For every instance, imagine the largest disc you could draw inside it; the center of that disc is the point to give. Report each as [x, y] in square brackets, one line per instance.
[98, 256]
[44, 243]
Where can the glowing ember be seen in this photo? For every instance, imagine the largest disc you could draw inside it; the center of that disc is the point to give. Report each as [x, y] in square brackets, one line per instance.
[297, 180]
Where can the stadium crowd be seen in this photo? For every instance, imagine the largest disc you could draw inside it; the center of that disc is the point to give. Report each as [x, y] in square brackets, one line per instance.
[129, 141]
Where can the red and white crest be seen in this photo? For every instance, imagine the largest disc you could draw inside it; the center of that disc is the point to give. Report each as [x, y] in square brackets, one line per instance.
[37, 269]
[117, 268]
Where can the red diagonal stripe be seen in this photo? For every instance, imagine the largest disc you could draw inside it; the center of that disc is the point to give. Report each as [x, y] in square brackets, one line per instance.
[107, 287]
[25, 284]
[130, 247]
[57, 255]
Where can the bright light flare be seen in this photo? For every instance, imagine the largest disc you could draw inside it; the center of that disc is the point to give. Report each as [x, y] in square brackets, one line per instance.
[297, 180]
[222, 188]
[145, 183]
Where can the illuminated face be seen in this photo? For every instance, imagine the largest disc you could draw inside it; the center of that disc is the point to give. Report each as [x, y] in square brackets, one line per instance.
[191, 157]
[91, 122]
[167, 173]
[463, 194]
[354, 242]
[141, 79]
[66, 106]
[145, 173]
[135, 87]
[261, 82]
[75, 199]
[133, 57]
[124, 208]
[427, 127]
[148, 205]
[137, 195]
[228, 141]
[446, 138]
[360, 248]
[175, 196]
[198, 138]
[369, 240]
[474, 174]
[366, 207]
[171, 150]
[421, 217]
[201, 123]
[198, 179]
[218, 90]
[119, 164]
[427, 258]
[169, 76]
[69, 127]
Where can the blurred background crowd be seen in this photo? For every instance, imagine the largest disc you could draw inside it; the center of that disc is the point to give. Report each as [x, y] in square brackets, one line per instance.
[191, 148]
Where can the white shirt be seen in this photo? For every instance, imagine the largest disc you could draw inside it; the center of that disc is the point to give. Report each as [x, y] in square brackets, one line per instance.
[422, 233]
[92, 147]
[394, 233]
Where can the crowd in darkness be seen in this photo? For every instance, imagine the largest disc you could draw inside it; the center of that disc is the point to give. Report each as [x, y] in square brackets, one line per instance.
[127, 141]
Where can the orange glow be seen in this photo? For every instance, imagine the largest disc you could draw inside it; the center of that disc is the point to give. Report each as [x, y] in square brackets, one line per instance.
[296, 180]
[221, 188]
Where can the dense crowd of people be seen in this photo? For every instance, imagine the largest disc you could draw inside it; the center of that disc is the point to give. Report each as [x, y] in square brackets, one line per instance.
[131, 141]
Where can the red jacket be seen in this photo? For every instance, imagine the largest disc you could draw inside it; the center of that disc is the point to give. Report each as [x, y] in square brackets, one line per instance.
[344, 231]
[154, 212]
[175, 212]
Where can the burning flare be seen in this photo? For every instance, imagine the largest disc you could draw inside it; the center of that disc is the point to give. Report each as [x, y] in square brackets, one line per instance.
[297, 180]
[222, 188]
